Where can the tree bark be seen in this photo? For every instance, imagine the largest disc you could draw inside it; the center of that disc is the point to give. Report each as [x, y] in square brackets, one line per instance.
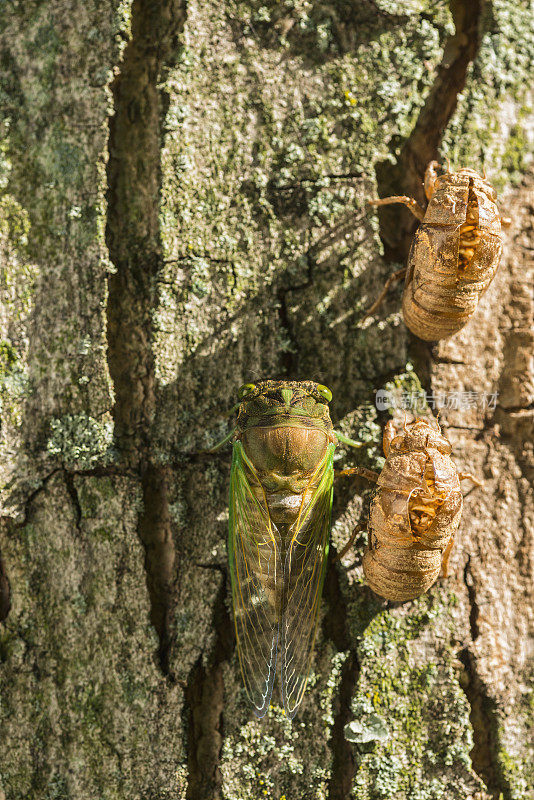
[184, 194]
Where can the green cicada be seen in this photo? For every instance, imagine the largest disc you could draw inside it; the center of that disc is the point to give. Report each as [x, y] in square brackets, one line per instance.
[279, 523]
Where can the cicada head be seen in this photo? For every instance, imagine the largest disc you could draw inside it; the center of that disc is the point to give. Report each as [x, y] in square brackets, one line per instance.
[466, 196]
[415, 435]
[479, 182]
[285, 425]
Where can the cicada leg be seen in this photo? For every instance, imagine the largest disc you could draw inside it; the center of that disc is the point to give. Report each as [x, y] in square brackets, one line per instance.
[431, 175]
[227, 438]
[397, 276]
[417, 210]
[361, 471]
[445, 558]
[347, 440]
[464, 476]
[349, 544]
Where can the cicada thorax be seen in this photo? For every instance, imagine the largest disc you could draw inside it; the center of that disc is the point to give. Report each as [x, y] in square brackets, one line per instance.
[454, 255]
[284, 451]
[414, 514]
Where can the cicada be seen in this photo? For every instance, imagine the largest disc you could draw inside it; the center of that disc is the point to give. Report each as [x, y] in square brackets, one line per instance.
[281, 486]
[415, 513]
[454, 254]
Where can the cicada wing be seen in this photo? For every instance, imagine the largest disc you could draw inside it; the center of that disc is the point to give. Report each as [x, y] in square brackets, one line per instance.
[256, 573]
[304, 571]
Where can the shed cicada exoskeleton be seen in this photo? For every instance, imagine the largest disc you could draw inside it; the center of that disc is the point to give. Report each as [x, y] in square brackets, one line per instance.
[454, 254]
[415, 512]
[281, 487]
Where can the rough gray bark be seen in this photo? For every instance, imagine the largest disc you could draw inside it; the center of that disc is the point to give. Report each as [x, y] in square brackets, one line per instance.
[184, 207]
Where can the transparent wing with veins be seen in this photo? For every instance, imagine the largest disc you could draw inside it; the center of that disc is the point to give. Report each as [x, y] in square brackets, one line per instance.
[277, 605]
[304, 571]
[254, 550]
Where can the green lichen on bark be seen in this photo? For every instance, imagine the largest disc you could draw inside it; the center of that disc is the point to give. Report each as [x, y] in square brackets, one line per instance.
[85, 711]
[17, 284]
[426, 754]
[485, 133]
[405, 391]
[518, 150]
[266, 230]
[54, 70]
[515, 749]
[242, 155]
[80, 441]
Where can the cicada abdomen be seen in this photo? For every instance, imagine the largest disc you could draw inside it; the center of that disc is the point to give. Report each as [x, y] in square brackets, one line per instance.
[414, 514]
[454, 255]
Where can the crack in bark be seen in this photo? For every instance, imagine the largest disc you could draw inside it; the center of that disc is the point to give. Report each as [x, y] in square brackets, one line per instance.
[14, 524]
[515, 409]
[73, 494]
[5, 592]
[203, 718]
[437, 359]
[406, 176]
[289, 357]
[397, 224]
[12, 520]
[290, 187]
[343, 758]
[476, 428]
[336, 628]
[483, 716]
[222, 568]
[133, 237]
[155, 531]
[133, 231]
[474, 611]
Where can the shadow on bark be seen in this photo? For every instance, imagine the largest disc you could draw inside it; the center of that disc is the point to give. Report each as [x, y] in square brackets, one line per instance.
[331, 29]
[5, 592]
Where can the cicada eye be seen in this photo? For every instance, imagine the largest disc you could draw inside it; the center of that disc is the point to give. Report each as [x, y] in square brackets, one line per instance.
[325, 392]
[245, 390]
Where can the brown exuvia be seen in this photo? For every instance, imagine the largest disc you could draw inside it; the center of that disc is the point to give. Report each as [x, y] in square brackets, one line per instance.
[415, 512]
[454, 254]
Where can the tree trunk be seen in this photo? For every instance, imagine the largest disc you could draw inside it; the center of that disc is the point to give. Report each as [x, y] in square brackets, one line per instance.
[184, 208]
